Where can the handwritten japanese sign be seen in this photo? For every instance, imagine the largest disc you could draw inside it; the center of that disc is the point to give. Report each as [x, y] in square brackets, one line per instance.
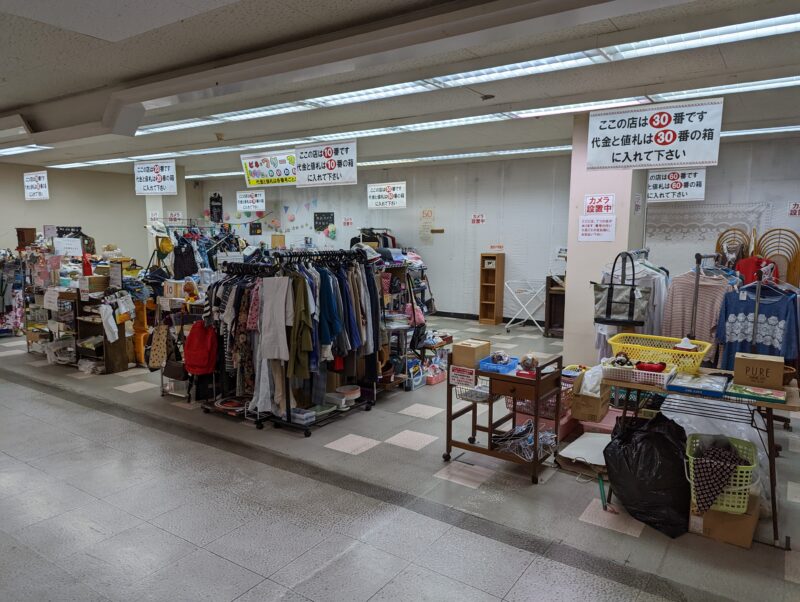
[598, 204]
[36, 187]
[597, 228]
[269, 169]
[478, 219]
[155, 177]
[391, 195]
[794, 209]
[676, 185]
[251, 200]
[327, 164]
[679, 134]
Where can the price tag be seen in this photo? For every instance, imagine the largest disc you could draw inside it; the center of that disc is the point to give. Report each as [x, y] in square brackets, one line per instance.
[83, 287]
[51, 299]
[742, 295]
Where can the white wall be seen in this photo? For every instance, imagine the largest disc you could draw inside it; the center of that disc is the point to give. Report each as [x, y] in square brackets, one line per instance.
[750, 188]
[104, 204]
[525, 202]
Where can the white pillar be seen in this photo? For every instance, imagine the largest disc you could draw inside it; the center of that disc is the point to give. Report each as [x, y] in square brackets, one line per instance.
[585, 260]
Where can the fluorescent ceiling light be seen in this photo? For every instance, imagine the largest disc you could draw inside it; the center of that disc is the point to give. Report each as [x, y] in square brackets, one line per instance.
[280, 109]
[785, 129]
[221, 174]
[210, 151]
[449, 123]
[707, 37]
[69, 165]
[596, 105]
[109, 161]
[154, 156]
[356, 134]
[620, 52]
[172, 126]
[475, 155]
[18, 150]
[764, 84]
[276, 143]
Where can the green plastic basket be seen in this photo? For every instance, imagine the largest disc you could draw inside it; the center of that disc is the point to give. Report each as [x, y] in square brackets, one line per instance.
[735, 496]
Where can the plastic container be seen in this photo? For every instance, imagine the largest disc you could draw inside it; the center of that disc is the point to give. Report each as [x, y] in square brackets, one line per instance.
[735, 496]
[651, 348]
[632, 375]
[486, 365]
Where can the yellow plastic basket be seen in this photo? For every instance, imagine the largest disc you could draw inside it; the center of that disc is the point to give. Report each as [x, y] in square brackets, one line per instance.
[736, 494]
[651, 348]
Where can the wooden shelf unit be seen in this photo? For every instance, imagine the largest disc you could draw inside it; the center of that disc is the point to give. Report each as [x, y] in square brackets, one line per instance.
[492, 281]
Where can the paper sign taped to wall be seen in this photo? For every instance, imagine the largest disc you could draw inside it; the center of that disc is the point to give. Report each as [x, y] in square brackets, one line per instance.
[51, 299]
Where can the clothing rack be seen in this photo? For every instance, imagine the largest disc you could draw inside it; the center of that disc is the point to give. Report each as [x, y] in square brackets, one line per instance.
[698, 259]
[637, 252]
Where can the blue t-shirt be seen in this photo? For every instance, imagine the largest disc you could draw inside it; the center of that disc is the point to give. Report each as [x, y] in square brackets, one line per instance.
[776, 333]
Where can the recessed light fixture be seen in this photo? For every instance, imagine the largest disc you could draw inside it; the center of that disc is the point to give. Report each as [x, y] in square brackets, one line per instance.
[764, 84]
[784, 129]
[221, 174]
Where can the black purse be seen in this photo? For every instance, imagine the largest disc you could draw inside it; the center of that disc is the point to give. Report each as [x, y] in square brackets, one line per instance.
[174, 368]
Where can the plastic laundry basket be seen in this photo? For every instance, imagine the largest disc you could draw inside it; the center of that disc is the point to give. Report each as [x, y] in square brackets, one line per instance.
[735, 496]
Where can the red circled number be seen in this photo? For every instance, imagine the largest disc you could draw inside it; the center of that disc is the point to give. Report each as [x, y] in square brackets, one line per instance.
[660, 120]
[665, 137]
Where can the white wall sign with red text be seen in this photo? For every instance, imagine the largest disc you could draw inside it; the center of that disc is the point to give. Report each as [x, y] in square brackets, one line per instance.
[597, 228]
[598, 204]
[666, 135]
[676, 185]
[327, 164]
[389, 195]
[155, 177]
[36, 187]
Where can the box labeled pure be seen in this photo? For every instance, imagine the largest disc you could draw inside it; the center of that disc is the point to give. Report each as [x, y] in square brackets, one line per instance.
[758, 370]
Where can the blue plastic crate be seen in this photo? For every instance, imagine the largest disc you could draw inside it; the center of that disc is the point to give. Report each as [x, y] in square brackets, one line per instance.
[486, 365]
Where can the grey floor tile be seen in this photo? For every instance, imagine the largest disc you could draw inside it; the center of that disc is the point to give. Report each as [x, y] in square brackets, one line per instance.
[205, 519]
[332, 512]
[397, 531]
[155, 497]
[546, 579]
[269, 591]
[52, 499]
[115, 567]
[421, 585]
[104, 428]
[476, 560]
[75, 530]
[40, 441]
[27, 577]
[340, 568]
[265, 545]
[116, 475]
[18, 477]
[87, 457]
[199, 576]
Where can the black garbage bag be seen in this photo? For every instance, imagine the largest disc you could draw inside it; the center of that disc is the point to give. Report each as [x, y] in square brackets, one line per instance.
[645, 463]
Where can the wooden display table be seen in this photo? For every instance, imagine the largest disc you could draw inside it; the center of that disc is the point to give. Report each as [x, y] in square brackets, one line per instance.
[765, 408]
[529, 391]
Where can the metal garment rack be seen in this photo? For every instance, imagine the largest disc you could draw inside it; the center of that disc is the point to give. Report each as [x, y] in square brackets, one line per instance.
[276, 259]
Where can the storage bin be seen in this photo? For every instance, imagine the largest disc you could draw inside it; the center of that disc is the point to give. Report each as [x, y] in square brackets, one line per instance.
[486, 365]
[651, 348]
[734, 497]
[632, 375]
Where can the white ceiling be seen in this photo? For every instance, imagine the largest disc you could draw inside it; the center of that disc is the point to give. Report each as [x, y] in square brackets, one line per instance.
[444, 38]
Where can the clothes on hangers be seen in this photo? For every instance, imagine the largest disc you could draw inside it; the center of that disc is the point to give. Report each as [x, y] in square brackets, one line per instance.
[750, 265]
[677, 319]
[776, 332]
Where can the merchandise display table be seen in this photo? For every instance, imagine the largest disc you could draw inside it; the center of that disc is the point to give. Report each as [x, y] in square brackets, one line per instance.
[765, 408]
[488, 388]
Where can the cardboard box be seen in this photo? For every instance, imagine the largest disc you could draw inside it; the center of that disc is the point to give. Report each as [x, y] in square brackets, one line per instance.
[97, 284]
[758, 370]
[470, 352]
[736, 529]
[590, 409]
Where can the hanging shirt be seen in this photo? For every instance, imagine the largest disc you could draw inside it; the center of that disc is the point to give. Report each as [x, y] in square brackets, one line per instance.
[748, 267]
[277, 312]
[677, 318]
[776, 332]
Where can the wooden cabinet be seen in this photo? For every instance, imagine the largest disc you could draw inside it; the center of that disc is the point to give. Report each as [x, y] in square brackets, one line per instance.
[554, 308]
[492, 279]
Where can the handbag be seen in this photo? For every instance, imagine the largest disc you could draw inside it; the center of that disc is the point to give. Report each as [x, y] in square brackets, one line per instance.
[174, 368]
[621, 304]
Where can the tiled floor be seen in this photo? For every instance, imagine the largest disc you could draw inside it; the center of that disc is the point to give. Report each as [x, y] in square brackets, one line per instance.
[110, 506]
